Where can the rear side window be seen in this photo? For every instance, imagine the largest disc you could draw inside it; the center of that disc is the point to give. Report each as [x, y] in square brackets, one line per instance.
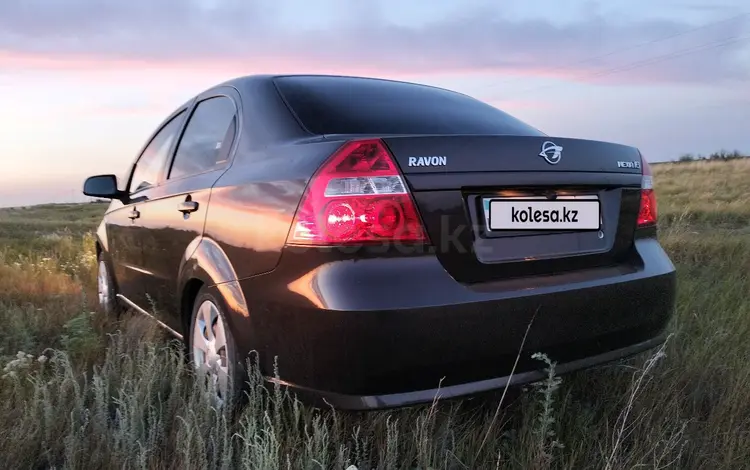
[343, 105]
[154, 156]
[208, 134]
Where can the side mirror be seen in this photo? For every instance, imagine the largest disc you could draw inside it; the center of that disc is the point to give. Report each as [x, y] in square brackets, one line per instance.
[102, 186]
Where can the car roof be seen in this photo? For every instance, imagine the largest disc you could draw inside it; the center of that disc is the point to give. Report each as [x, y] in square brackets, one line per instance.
[273, 120]
[239, 82]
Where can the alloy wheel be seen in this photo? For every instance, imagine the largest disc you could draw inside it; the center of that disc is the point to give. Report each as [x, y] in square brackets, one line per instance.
[209, 345]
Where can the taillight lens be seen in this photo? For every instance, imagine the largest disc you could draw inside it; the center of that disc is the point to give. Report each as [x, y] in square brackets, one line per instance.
[647, 212]
[357, 196]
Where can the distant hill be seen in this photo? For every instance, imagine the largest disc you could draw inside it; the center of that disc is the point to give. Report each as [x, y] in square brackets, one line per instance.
[32, 220]
[721, 155]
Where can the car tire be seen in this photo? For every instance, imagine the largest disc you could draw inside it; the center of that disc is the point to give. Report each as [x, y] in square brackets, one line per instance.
[106, 289]
[211, 347]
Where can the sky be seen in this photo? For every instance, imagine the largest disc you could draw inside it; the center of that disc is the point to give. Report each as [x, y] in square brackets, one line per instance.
[83, 83]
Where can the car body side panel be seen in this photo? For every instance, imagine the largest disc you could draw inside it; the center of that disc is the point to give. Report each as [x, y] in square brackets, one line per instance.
[124, 235]
[168, 235]
[102, 239]
[206, 262]
[268, 121]
[124, 249]
[101, 235]
[253, 204]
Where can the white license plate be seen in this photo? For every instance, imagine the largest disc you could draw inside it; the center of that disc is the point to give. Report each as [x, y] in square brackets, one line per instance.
[536, 214]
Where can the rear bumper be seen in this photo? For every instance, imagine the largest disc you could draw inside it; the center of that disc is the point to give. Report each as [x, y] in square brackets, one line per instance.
[373, 402]
[385, 332]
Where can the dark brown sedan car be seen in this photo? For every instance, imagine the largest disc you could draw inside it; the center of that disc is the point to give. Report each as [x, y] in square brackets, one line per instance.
[382, 239]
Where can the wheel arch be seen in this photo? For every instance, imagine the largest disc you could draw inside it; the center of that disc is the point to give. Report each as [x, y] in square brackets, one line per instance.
[187, 300]
[206, 264]
[101, 238]
[102, 253]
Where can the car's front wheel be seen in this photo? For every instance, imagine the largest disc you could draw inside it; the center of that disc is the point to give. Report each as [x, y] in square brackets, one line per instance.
[212, 348]
[106, 290]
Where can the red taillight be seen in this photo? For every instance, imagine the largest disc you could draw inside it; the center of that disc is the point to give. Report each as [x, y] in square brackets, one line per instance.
[357, 196]
[647, 212]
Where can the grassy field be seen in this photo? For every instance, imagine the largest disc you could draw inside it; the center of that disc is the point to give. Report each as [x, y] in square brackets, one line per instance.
[81, 391]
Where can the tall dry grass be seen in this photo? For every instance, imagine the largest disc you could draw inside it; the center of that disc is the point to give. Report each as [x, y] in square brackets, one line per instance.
[82, 391]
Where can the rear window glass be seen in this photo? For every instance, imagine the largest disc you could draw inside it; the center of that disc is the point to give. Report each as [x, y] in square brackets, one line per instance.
[342, 105]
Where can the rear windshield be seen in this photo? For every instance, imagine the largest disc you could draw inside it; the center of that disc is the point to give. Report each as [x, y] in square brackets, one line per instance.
[343, 105]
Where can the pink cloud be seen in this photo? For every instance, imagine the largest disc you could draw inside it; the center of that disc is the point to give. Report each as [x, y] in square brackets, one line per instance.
[90, 63]
[238, 38]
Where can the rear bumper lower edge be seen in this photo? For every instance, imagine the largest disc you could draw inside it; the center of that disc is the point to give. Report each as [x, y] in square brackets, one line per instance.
[376, 402]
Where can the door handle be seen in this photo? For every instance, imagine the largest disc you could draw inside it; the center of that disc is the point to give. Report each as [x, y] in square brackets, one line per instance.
[134, 214]
[187, 207]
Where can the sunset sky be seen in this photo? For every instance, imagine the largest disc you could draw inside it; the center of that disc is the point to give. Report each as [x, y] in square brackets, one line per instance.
[84, 82]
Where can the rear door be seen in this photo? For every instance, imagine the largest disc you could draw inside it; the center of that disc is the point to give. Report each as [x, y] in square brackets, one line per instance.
[508, 206]
[174, 217]
[124, 226]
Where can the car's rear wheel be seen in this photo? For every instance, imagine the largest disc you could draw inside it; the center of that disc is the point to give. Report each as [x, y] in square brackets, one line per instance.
[106, 289]
[212, 349]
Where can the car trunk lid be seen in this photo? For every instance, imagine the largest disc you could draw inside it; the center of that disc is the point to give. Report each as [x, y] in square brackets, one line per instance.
[483, 200]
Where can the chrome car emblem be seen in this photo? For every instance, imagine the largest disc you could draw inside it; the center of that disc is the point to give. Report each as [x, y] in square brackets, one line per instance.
[636, 165]
[551, 152]
[440, 160]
